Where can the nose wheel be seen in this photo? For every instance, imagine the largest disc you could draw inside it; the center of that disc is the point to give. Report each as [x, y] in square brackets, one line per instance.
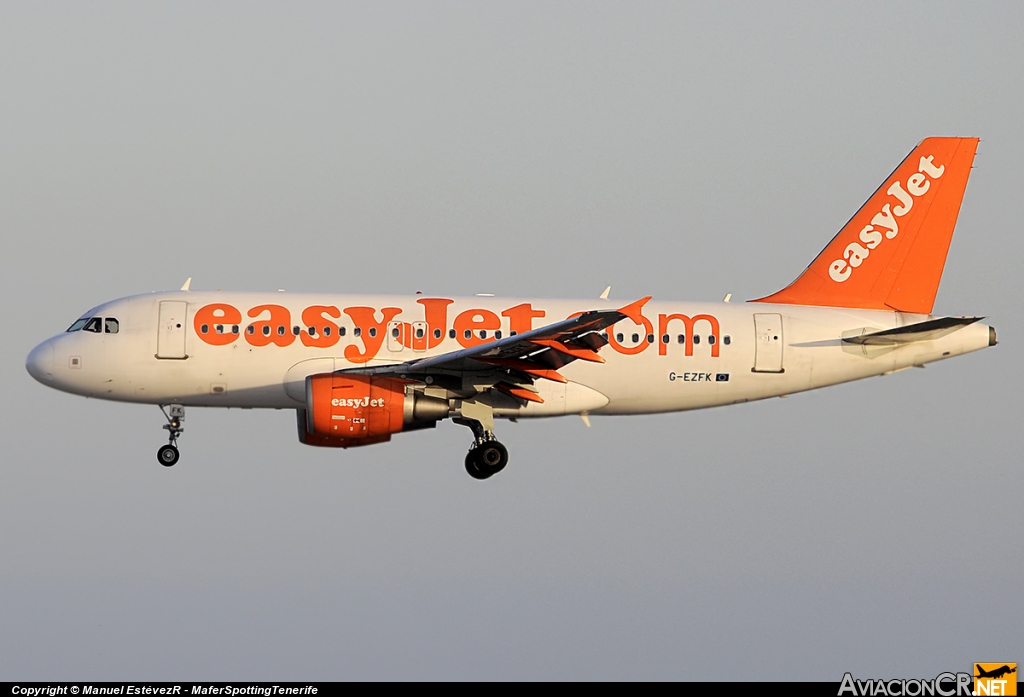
[168, 455]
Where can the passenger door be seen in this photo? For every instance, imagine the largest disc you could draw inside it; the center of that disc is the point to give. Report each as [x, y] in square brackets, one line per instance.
[170, 340]
[768, 344]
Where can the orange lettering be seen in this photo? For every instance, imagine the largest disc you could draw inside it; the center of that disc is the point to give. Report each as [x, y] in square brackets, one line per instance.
[370, 331]
[326, 330]
[632, 351]
[688, 323]
[520, 317]
[211, 317]
[435, 312]
[276, 330]
[467, 323]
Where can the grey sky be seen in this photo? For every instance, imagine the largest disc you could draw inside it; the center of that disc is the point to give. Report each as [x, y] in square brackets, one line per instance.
[524, 149]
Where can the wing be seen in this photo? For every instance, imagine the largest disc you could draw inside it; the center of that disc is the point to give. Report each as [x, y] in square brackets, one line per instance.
[511, 365]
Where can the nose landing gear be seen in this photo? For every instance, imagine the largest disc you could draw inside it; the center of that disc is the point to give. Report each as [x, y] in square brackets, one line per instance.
[168, 455]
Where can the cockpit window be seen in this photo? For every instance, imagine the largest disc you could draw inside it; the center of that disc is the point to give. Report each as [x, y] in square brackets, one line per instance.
[95, 324]
[78, 324]
[111, 325]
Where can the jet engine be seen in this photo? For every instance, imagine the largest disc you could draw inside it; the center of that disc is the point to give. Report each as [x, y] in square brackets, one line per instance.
[344, 411]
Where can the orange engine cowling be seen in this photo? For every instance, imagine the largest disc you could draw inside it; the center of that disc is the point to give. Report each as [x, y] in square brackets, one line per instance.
[351, 410]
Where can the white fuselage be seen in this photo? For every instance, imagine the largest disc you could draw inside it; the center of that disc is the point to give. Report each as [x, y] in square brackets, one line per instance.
[161, 355]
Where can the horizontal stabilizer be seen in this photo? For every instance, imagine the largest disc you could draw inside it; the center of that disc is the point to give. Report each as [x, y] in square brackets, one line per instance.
[922, 331]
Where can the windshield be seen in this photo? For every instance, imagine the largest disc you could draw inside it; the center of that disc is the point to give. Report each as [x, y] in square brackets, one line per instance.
[97, 325]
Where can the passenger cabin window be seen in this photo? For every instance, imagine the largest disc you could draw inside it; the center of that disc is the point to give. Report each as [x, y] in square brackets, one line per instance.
[696, 338]
[727, 339]
[93, 325]
[711, 339]
[650, 338]
[437, 333]
[497, 334]
[451, 333]
[79, 323]
[618, 337]
[357, 331]
[636, 338]
[327, 330]
[341, 331]
[681, 339]
[111, 325]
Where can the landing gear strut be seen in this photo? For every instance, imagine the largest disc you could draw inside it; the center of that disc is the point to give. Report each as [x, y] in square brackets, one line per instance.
[168, 455]
[487, 456]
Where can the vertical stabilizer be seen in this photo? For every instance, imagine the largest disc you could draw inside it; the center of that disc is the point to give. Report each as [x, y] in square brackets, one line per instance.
[891, 254]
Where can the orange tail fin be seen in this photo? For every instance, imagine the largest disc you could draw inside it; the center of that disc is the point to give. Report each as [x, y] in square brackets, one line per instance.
[891, 253]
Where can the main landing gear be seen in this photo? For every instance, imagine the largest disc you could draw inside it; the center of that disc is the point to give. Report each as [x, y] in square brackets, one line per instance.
[486, 459]
[487, 456]
[168, 455]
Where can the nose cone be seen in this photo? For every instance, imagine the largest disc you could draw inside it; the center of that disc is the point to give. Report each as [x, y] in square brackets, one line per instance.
[40, 363]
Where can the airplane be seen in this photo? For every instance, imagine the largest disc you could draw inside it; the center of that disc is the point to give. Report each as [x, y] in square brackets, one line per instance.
[995, 673]
[360, 369]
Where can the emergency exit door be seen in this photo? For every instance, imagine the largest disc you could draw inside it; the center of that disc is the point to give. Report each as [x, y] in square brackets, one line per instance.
[768, 344]
[403, 335]
[170, 340]
[419, 336]
[396, 336]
